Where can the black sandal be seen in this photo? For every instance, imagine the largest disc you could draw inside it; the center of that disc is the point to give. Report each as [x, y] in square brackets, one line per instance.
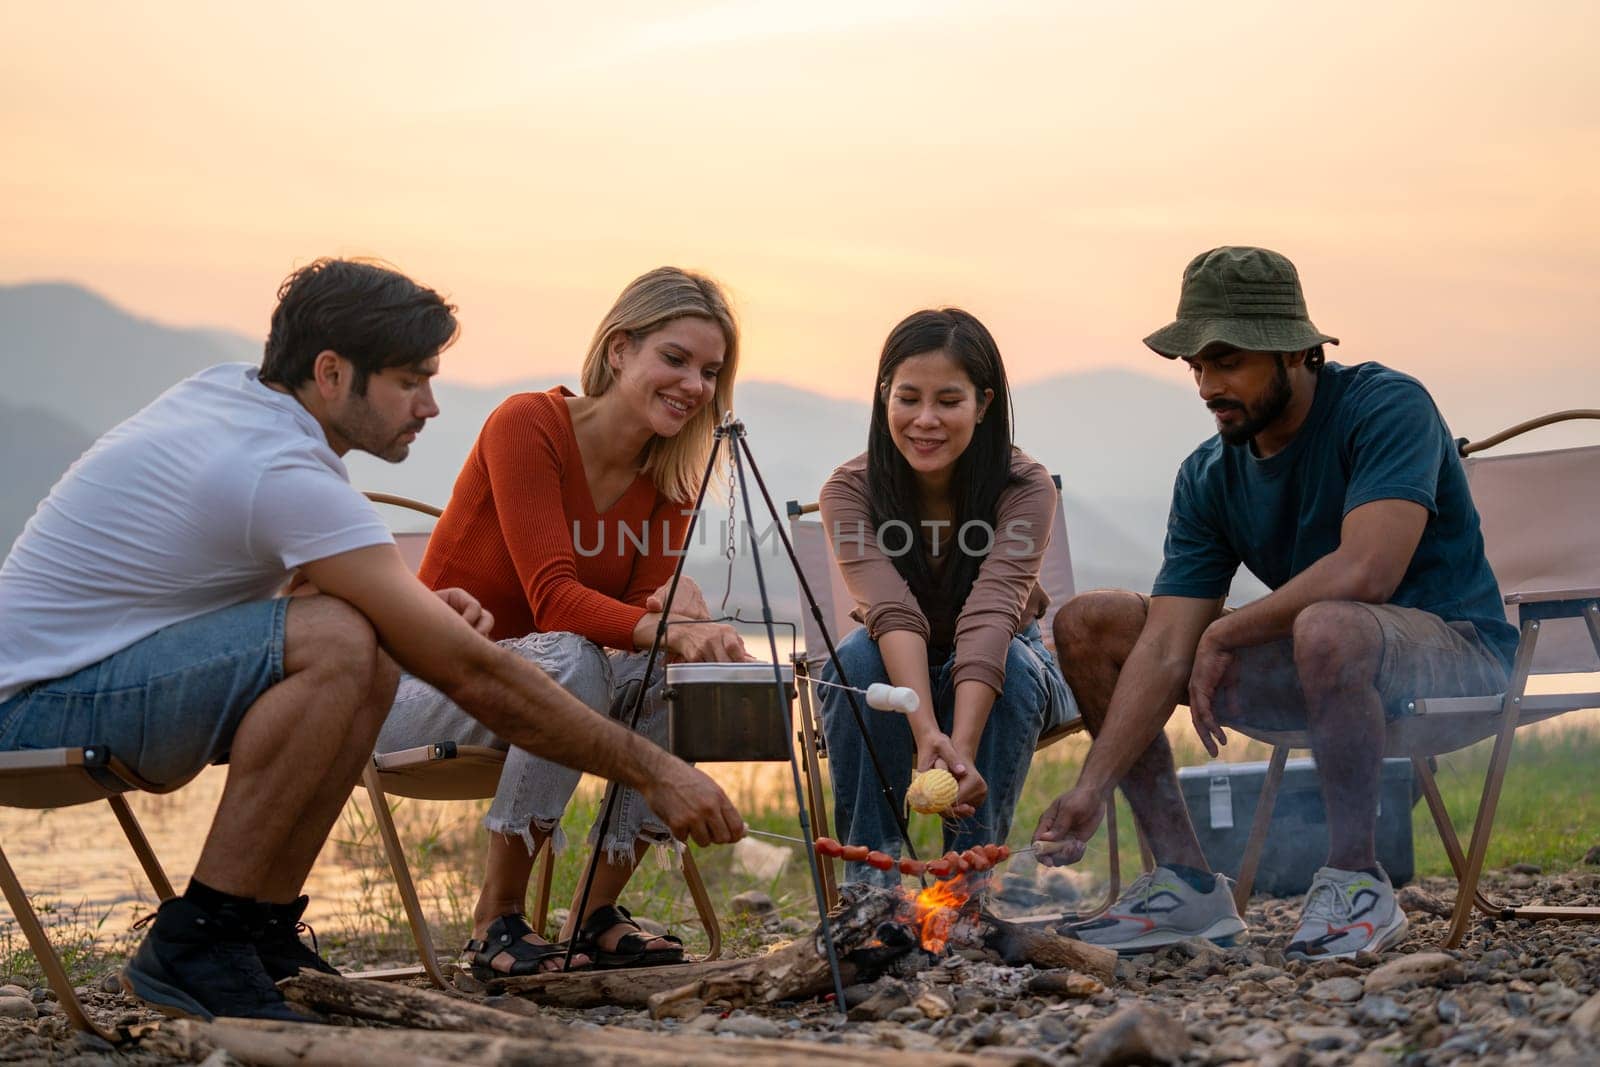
[505, 934]
[631, 950]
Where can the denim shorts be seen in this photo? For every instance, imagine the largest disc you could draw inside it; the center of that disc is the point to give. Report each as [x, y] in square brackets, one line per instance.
[167, 705]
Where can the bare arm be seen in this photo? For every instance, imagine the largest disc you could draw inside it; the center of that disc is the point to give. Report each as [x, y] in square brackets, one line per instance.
[515, 699]
[1148, 689]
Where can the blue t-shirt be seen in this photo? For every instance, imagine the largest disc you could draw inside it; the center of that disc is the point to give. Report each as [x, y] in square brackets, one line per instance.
[1372, 434]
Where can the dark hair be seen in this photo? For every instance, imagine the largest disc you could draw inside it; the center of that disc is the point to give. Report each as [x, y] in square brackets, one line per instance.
[980, 474]
[366, 311]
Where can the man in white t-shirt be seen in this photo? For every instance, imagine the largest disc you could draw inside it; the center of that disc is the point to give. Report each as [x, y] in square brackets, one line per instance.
[139, 615]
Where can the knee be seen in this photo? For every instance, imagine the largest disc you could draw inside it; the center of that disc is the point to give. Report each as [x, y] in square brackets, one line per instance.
[327, 635]
[1336, 644]
[1103, 622]
[577, 664]
[385, 680]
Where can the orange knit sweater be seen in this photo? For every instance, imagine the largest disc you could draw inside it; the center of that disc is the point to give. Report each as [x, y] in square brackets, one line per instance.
[507, 535]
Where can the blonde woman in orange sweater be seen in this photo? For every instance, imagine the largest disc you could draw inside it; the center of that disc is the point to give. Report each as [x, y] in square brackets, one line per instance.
[564, 523]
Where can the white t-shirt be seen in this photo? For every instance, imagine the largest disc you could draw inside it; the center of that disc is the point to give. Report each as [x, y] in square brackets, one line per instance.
[207, 498]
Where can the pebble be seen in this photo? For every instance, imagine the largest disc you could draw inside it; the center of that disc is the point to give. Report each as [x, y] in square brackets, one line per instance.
[1064, 983]
[748, 1026]
[1586, 1019]
[1380, 1011]
[1135, 1034]
[1421, 968]
[110, 983]
[15, 1007]
[933, 1005]
[1336, 990]
[888, 995]
[1324, 1038]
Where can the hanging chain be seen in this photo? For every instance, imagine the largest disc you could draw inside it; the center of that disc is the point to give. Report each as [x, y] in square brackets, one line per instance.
[732, 548]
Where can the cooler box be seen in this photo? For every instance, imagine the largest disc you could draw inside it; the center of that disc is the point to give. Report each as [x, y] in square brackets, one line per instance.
[1221, 798]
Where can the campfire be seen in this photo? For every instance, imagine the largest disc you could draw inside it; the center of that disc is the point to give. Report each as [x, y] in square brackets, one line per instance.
[875, 933]
[937, 910]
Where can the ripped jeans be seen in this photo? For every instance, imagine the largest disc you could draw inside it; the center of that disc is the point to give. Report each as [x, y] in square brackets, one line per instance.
[533, 791]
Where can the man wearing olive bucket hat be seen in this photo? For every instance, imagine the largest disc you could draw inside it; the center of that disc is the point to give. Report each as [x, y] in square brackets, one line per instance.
[1340, 488]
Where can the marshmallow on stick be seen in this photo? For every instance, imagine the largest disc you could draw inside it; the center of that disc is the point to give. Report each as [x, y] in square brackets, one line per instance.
[899, 698]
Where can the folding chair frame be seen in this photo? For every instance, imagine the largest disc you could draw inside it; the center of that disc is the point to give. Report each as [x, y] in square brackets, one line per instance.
[86, 772]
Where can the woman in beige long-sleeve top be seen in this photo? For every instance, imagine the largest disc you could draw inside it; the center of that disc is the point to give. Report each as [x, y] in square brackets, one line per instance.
[939, 529]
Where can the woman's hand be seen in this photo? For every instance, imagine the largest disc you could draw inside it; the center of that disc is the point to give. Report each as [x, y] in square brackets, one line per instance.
[466, 605]
[688, 603]
[938, 750]
[705, 642]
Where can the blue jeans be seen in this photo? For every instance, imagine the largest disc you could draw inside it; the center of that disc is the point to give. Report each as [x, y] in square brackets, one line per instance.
[1035, 698]
[167, 705]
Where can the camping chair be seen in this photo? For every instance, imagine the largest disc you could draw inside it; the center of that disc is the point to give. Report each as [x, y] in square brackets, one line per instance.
[1541, 530]
[58, 778]
[815, 554]
[445, 770]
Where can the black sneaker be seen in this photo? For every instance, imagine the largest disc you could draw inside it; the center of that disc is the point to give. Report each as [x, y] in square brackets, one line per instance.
[196, 964]
[278, 942]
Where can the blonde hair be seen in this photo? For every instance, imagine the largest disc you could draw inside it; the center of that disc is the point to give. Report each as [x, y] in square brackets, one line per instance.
[675, 464]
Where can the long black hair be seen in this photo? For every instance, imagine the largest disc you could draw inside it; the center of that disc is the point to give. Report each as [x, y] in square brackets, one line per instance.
[981, 472]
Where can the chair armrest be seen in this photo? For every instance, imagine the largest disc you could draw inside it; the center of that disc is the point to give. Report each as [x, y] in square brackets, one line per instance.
[1545, 596]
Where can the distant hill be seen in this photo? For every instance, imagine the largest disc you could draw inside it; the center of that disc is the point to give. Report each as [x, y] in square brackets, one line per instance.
[70, 351]
[38, 446]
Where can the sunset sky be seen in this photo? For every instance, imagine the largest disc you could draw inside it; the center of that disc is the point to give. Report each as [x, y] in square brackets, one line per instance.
[1432, 168]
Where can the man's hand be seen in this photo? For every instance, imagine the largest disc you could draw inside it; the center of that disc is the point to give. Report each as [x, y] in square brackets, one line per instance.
[1213, 666]
[466, 605]
[689, 603]
[938, 750]
[692, 805]
[1069, 823]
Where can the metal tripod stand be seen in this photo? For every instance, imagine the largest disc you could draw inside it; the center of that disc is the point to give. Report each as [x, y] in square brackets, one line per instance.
[730, 434]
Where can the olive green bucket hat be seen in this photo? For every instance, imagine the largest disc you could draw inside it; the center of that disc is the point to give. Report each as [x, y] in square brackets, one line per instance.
[1246, 298]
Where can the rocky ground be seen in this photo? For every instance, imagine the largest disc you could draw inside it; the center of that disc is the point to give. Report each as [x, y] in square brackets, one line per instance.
[1515, 992]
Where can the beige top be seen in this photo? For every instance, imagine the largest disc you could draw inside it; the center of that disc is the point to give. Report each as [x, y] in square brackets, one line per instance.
[1006, 596]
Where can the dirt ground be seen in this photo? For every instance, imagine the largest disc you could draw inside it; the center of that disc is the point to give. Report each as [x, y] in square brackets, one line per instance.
[1515, 992]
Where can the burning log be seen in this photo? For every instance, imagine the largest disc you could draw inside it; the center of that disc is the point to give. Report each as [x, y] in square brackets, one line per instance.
[1047, 950]
[875, 932]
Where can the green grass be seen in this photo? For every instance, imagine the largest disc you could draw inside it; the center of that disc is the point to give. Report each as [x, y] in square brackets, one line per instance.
[88, 943]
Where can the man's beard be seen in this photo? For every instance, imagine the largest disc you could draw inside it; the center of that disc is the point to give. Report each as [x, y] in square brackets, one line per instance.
[1259, 416]
[366, 432]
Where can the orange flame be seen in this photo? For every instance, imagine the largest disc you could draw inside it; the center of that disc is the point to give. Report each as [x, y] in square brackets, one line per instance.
[938, 910]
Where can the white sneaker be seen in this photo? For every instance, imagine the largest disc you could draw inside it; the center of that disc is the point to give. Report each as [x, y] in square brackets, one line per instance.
[1347, 912]
[1158, 909]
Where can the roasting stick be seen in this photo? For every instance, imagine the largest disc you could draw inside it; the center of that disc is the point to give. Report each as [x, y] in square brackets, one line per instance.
[776, 837]
[880, 696]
